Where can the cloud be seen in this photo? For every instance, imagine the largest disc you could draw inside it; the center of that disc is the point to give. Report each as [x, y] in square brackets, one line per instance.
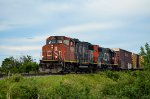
[19, 48]
[29, 13]
[5, 26]
[86, 27]
[111, 23]
[118, 7]
[51, 7]
[22, 40]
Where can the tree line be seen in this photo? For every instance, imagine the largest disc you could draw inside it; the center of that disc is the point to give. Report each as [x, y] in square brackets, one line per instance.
[24, 64]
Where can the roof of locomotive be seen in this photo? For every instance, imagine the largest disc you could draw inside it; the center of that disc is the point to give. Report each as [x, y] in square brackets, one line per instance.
[73, 39]
[58, 37]
[76, 40]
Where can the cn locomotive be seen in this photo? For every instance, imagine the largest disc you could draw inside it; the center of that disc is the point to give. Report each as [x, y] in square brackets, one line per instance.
[65, 54]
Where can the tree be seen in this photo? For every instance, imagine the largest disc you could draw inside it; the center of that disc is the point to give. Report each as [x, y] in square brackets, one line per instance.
[28, 64]
[1, 71]
[145, 53]
[8, 65]
[24, 64]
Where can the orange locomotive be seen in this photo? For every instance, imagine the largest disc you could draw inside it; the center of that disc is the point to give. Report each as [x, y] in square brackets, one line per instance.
[64, 54]
[57, 51]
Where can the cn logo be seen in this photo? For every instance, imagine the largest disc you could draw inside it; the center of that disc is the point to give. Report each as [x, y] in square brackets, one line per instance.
[49, 53]
[56, 53]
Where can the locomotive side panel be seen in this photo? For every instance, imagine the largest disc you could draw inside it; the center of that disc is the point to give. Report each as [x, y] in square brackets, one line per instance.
[85, 54]
[104, 56]
[95, 54]
[112, 57]
[76, 50]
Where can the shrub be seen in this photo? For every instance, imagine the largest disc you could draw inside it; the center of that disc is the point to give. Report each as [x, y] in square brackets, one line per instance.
[105, 85]
[23, 92]
[65, 90]
[15, 78]
[138, 87]
[112, 75]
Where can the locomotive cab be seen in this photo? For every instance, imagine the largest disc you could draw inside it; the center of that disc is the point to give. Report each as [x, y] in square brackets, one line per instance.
[56, 48]
[52, 51]
[57, 51]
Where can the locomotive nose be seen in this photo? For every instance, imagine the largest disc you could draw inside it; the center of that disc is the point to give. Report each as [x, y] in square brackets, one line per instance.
[52, 52]
[51, 46]
[49, 53]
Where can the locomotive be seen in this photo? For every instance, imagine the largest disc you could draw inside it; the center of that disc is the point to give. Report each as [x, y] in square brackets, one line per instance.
[65, 54]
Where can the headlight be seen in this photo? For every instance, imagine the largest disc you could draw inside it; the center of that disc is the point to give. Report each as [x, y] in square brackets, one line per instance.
[56, 57]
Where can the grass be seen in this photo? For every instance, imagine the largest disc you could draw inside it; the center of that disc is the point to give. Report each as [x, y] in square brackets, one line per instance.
[107, 85]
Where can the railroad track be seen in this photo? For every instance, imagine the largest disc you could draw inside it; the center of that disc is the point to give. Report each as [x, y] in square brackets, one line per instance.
[50, 74]
[31, 75]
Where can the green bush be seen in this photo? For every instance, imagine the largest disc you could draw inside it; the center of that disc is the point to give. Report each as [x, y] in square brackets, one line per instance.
[65, 91]
[16, 86]
[105, 85]
[137, 87]
[25, 64]
[112, 75]
[15, 78]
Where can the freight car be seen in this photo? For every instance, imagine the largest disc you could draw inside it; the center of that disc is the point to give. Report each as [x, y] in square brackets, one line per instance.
[137, 61]
[65, 54]
[123, 58]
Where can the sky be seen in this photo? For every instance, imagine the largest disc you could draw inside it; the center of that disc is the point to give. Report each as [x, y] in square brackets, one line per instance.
[25, 24]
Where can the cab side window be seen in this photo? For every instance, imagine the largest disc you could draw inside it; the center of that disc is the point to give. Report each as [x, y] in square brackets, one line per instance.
[71, 43]
[48, 42]
[66, 42]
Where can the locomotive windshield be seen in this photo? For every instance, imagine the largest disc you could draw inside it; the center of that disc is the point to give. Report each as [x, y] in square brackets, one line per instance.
[54, 41]
[59, 41]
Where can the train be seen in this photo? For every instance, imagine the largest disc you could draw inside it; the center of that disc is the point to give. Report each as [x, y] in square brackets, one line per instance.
[64, 54]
